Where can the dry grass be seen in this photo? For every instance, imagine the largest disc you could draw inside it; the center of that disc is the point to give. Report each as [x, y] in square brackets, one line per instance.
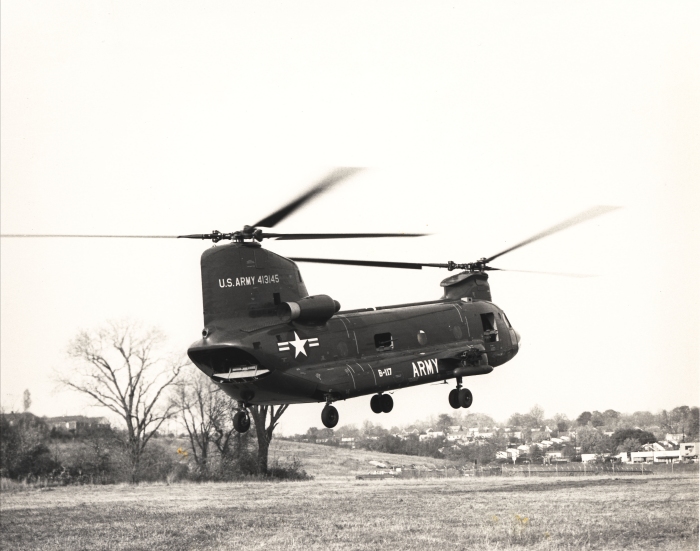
[653, 512]
[331, 461]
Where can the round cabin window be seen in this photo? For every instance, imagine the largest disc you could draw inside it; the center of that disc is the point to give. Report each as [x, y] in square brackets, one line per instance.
[422, 338]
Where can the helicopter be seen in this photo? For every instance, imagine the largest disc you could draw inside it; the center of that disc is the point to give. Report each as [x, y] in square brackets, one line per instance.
[267, 341]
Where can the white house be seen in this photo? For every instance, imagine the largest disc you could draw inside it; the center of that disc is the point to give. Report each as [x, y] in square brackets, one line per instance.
[689, 450]
[642, 457]
[430, 433]
[457, 436]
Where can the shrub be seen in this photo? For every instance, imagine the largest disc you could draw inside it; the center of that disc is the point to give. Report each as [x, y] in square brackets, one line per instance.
[288, 471]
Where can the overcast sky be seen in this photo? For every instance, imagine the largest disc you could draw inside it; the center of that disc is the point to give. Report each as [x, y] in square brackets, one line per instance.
[481, 123]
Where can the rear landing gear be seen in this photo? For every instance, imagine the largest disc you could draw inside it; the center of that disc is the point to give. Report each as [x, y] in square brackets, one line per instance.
[381, 403]
[460, 397]
[329, 416]
[465, 398]
[241, 421]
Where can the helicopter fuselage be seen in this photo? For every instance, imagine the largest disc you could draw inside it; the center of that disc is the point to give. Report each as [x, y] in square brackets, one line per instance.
[263, 359]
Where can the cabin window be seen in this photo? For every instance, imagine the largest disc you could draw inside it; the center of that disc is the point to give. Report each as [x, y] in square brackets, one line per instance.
[343, 349]
[383, 341]
[505, 318]
[422, 338]
[457, 332]
[488, 323]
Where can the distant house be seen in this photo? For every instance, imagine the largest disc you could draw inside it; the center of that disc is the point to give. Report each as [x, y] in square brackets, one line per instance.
[76, 423]
[511, 454]
[458, 436]
[624, 457]
[430, 433]
[677, 438]
[642, 457]
[689, 450]
[667, 456]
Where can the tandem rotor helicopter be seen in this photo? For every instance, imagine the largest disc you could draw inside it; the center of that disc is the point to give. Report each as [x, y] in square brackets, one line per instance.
[267, 341]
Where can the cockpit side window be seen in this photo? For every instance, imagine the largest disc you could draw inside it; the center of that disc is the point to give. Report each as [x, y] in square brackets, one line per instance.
[488, 323]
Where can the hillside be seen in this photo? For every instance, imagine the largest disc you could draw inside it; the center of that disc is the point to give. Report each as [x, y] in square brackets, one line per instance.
[331, 461]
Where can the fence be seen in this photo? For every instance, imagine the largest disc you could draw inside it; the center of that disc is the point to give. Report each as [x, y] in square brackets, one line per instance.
[580, 469]
[437, 473]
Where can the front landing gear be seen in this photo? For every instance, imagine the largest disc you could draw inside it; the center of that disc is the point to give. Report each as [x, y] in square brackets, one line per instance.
[241, 421]
[460, 397]
[381, 403]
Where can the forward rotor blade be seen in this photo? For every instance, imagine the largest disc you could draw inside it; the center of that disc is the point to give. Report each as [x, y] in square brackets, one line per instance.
[579, 218]
[371, 263]
[296, 236]
[91, 236]
[329, 181]
[563, 274]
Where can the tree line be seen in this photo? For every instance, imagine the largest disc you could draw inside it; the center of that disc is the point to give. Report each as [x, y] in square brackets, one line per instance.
[625, 433]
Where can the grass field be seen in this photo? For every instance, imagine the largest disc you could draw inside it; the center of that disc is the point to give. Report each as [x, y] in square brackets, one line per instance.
[331, 461]
[635, 512]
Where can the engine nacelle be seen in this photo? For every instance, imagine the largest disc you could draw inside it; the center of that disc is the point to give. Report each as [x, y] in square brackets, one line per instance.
[313, 309]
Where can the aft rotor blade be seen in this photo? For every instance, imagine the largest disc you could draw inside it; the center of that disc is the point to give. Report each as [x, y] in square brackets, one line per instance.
[371, 263]
[329, 181]
[296, 236]
[90, 236]
[579, 218]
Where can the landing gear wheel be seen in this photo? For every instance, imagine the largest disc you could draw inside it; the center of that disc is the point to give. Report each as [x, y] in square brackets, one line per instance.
[376, 403]
[465, 398]
[387, 403]
[329, 416]
[241, 421]
[454, 398]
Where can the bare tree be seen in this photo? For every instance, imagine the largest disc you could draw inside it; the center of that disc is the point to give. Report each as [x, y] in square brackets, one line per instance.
[535, 417]
[27, 400]
[123, 368]
[207, 414]
[264, 433]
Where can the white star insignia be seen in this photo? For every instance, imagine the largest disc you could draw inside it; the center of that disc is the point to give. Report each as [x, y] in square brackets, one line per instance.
[298, 345]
